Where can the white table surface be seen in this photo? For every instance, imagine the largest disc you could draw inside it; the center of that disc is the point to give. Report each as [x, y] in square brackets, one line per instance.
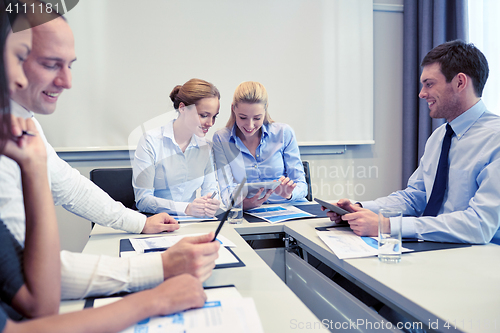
[278, 307]
[461, 285]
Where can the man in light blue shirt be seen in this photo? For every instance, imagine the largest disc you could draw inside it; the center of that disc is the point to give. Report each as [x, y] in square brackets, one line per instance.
[453, 78]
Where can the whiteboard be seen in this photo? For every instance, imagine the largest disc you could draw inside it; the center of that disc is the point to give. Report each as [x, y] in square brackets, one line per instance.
[315, 58]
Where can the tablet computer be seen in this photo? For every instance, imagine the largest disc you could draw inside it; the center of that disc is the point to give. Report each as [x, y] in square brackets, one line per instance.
[252, 188]
[331, 207]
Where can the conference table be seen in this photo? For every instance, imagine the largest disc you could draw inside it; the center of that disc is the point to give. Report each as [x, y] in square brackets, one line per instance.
[447, 290]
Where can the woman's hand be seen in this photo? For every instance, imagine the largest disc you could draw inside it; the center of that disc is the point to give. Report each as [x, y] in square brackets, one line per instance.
[197, 207]
[203, 206]
[27, 150]
[286, 187]
[211, 206]
[253, 202]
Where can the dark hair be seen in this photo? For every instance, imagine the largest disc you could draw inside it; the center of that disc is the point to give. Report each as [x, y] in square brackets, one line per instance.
[459, 57]
[192, 92]
[5, 25]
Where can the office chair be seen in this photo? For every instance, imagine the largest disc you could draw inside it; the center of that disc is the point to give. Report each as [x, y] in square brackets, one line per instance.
[117, 183]
[309, 196]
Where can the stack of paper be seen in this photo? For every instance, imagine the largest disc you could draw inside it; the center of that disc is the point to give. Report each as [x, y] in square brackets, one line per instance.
[141, 244]
[277, 214]
[226, 258]
[346, 244]
[224, 311]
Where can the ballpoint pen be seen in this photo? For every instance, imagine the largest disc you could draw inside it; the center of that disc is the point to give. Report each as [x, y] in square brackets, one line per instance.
[213, 195]
[29, 133]
[23, 133]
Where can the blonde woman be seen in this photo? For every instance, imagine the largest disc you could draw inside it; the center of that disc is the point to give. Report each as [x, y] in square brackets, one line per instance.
[173, 161]
[252, 145]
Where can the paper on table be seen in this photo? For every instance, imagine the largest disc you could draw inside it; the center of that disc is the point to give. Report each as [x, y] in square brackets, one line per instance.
[224, 311]
[277, 214]
[225, 256]
[213, 294]
[141, 244]
[193, 219]
[347, 245]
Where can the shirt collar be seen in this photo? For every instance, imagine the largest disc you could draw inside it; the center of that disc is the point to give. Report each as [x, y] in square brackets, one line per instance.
[462, 123]
[19, 111]
[168, 132]
[265, 132]
[233, 133]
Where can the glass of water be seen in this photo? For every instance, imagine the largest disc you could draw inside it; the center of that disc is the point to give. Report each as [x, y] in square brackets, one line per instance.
[389, 241]
[236, 213]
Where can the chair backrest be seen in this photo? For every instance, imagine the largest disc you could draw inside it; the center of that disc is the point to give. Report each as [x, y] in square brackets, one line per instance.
[117, 182]
[309, 196]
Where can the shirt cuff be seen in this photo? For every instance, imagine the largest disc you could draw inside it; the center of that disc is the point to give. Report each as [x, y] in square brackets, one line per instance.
[408, 228]
[180, 208]
[371, 205]
[134, 222]
[146, 271]
[395, 229]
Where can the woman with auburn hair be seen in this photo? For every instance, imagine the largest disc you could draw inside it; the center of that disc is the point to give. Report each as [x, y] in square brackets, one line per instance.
[252, 145]
[173, 161]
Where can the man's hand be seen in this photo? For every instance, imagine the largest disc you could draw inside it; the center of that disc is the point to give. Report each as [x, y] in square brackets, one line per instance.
[363, 221]
[342, 203]
[192, 255]
[160, 223]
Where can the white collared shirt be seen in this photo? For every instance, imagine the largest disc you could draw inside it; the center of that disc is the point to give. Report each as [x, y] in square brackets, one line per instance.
[82, 275]
[165, 178]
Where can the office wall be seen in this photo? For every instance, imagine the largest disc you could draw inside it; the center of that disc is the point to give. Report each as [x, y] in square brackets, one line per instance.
[361, 172]
[308, 54]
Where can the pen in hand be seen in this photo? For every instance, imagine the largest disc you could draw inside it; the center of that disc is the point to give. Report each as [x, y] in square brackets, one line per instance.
[23, 133]
[29, 133]
[213, 195]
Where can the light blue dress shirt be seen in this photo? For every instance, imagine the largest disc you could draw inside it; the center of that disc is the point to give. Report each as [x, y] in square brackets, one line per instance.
[165, 178]
[471, 205]
[277, 155]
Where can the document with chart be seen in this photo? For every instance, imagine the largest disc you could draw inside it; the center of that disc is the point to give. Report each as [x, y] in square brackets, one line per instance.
[275, 214]
[224, 311]
[347, 245]
[137, 246]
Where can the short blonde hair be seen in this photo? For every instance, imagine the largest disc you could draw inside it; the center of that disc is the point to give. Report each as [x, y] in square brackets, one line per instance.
[192, 92]
[250, 92]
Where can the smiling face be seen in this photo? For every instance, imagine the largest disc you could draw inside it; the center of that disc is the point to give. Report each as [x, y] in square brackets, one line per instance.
[200, 117]
[249, 119]
[441, 97]
[208, 110]
[48, 68]
[17, 49]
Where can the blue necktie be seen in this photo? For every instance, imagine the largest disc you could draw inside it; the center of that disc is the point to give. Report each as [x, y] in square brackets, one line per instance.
[441, 180]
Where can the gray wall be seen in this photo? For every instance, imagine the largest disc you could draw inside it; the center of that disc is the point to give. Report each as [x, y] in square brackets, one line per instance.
[360, 173]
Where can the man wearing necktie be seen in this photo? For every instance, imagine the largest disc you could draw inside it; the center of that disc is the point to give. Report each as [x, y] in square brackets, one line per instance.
[454, 195]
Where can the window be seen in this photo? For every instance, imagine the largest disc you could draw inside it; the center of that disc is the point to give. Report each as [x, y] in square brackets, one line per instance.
[484, 32]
